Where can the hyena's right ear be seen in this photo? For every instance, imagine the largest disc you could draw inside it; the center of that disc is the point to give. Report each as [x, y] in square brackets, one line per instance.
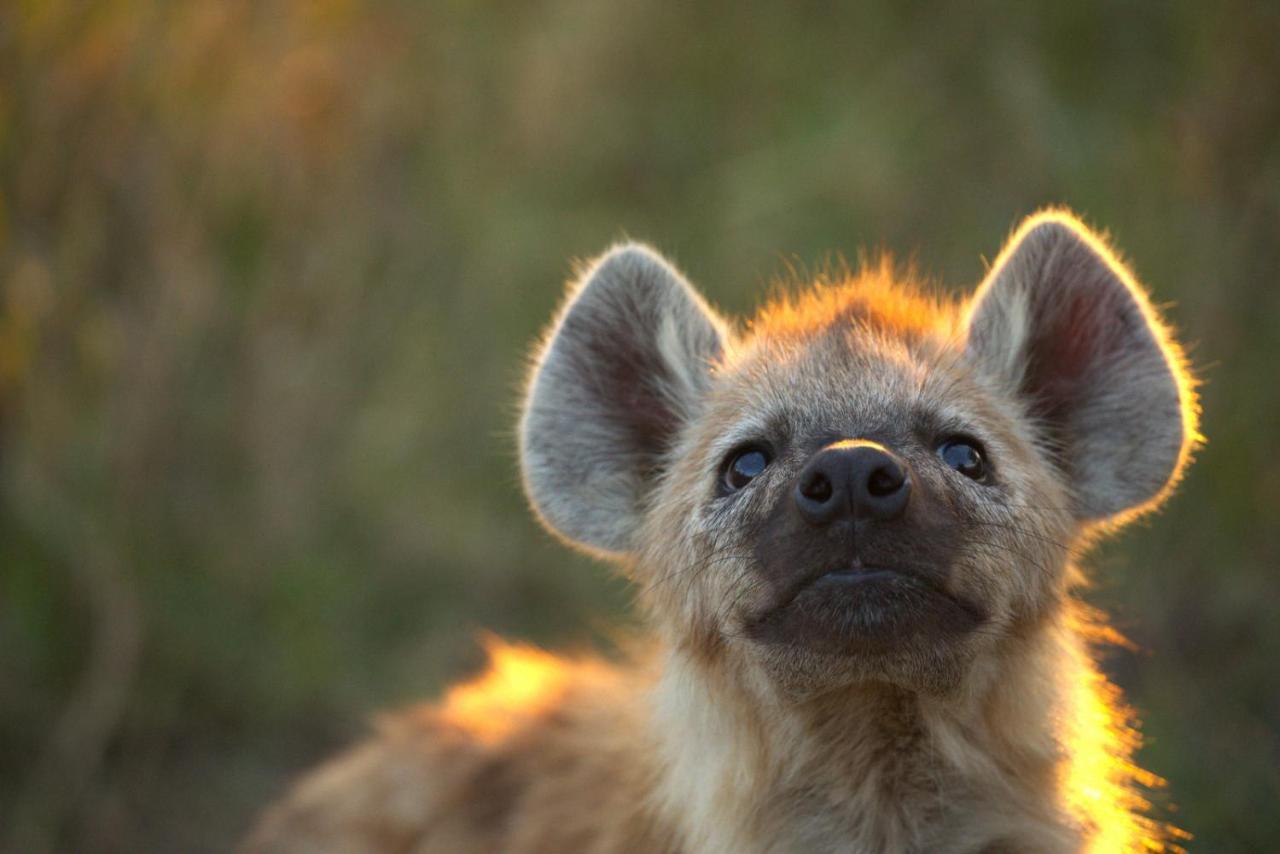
[626, 363]
[1065, 326]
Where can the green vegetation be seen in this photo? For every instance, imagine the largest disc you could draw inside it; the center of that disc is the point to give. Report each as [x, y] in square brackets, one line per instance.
[268, 273]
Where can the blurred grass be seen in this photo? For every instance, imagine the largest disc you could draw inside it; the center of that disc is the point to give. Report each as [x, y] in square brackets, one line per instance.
[269, 270]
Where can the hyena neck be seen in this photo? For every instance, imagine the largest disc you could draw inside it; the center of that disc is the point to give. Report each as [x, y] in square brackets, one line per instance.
[872, 767]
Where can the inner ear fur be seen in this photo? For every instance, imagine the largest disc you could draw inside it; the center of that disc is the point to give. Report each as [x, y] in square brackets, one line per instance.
[1065, 325]
[624, 366]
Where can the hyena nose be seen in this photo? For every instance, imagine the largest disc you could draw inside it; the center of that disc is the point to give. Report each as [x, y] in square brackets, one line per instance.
[852, 479]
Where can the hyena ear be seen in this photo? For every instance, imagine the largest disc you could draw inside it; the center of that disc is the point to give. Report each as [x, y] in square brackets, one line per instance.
[626, 363]
[1064, 324]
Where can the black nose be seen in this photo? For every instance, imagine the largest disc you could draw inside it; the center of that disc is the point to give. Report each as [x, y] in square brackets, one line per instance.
[852, 479]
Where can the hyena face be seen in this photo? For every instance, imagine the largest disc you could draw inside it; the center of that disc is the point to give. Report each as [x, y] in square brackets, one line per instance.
[866, 484]
[864, 505]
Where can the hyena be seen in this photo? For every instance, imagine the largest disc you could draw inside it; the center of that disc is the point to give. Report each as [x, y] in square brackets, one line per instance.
[852, 524]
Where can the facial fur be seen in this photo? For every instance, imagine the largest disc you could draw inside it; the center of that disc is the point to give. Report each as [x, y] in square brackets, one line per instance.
[967, 562]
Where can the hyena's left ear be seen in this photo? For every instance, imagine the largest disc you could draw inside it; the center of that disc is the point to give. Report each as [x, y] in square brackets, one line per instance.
[1063, 323]
[626, 364]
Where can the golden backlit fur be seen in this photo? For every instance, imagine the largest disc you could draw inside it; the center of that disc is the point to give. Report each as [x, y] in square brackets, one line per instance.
[1001, 738]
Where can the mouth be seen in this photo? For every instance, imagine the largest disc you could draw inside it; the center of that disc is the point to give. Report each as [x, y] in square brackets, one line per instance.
[862, 607]
[855, 574]
[844, 577]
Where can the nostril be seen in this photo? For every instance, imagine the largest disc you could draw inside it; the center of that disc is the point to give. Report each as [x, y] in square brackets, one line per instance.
[885, 481]
[817, 487]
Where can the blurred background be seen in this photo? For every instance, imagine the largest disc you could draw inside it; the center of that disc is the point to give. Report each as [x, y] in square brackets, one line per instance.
[269, 272]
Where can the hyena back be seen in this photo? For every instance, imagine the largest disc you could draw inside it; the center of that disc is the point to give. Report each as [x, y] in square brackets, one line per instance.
[852, 525]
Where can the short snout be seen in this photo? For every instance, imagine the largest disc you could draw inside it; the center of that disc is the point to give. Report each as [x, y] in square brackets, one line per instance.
[857, 557]
[852, 479]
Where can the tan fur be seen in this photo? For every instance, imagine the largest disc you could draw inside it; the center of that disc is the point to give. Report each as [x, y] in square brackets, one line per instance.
[1007, 739]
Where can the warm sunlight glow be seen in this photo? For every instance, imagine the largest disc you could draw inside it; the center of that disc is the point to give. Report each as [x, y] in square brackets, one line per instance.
[1099, 788]
[521, 682]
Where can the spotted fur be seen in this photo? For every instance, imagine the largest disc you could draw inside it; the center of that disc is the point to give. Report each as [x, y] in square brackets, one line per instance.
[882, 729]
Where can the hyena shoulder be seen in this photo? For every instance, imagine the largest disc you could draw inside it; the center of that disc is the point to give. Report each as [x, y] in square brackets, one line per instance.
[538, 754]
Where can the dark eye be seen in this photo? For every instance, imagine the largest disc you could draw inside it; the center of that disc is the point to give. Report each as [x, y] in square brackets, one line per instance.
[965, 456]
[745, 465]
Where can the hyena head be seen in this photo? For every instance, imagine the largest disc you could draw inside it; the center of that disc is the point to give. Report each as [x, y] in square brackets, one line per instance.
[864, 484]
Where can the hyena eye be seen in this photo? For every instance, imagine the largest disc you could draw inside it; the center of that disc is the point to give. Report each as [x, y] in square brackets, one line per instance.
[965, 456]
[744, 465]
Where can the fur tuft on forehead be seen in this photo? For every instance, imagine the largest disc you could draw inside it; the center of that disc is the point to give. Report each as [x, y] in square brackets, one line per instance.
[878, 296]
